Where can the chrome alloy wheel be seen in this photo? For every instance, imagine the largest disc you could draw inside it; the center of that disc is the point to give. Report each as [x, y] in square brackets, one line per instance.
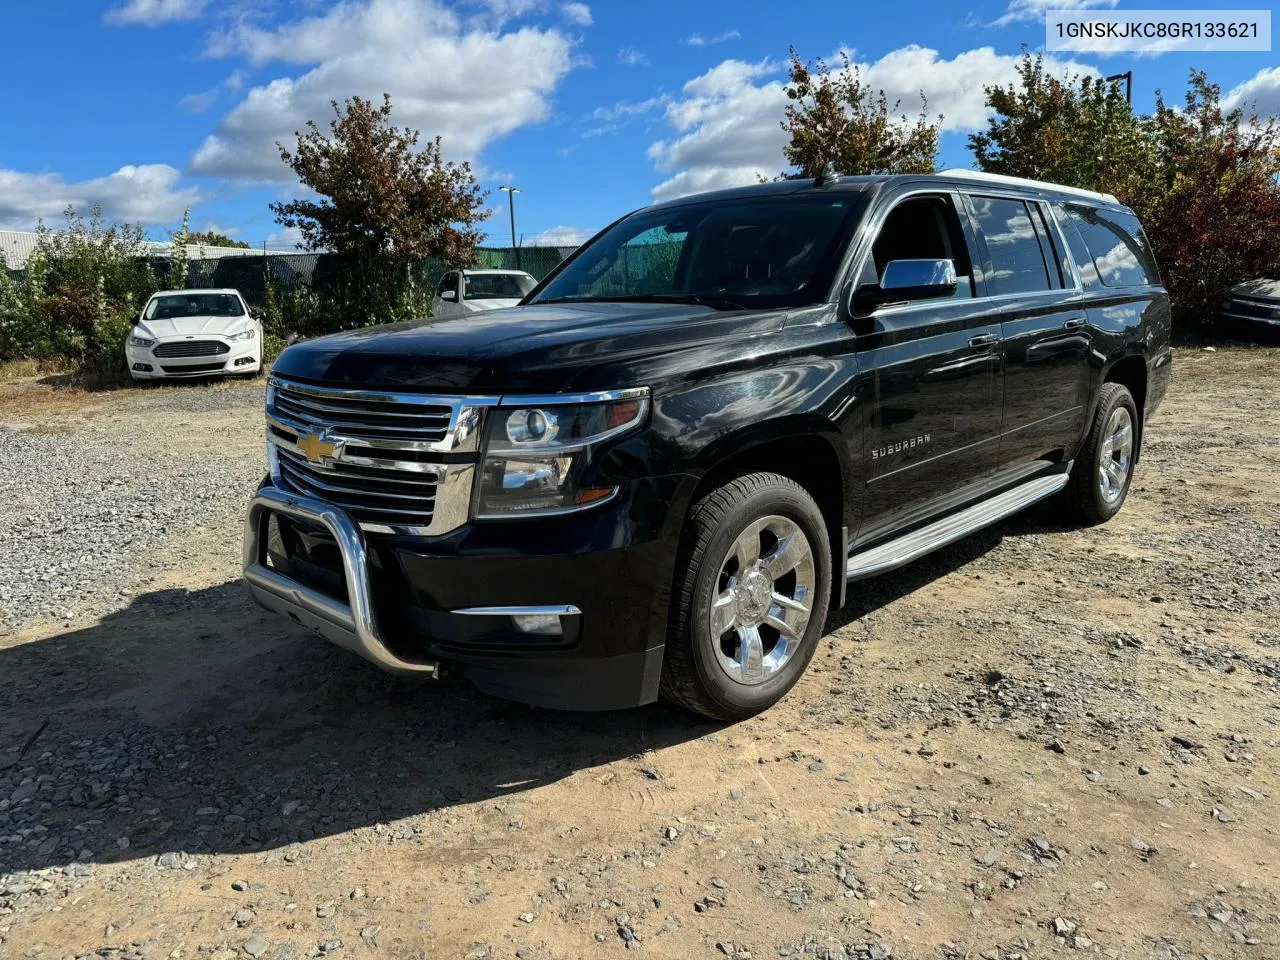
[764, 593]
[1115, 456]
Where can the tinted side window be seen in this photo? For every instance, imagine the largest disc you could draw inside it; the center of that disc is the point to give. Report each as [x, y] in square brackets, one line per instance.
[1059, 267]
[1017, 261]
[1079, 252]
[1116, 244]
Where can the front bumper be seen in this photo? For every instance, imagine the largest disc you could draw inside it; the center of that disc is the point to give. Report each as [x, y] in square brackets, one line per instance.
[351, 624]
[242, 357]
[409, 604]
[1272, 321]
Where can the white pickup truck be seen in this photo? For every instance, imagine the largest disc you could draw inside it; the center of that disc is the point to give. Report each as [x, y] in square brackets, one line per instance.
[470, 291]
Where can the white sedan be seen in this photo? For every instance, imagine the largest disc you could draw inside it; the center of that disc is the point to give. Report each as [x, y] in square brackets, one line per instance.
[194, 333]
[470, 291]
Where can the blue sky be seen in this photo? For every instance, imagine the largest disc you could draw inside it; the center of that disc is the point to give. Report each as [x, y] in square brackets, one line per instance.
[591, 108]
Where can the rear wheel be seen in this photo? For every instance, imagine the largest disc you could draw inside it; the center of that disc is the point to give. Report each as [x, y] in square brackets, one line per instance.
[750, 598]
[1103, 470]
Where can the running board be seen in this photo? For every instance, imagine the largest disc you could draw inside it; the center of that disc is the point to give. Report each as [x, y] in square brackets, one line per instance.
[902, 550]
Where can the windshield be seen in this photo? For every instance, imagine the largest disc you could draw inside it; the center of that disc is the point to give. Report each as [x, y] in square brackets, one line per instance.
[762, 251]
[194, 305]
[496, 286]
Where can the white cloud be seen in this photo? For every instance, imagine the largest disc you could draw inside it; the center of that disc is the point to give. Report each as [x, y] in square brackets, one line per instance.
[287, 238]
[577, 13]
[560, 236]
[626, 109]
[1031, 10]
[212, 227]
[727, 124]
[503, 10]
[204, 99]
[468, 85]
[631, 57]
[151, 13]
[1259, 94]
[149, 194]
[697, 40]
[198, 102]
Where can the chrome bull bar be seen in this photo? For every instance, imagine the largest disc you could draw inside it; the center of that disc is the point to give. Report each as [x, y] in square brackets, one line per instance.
[350, 625]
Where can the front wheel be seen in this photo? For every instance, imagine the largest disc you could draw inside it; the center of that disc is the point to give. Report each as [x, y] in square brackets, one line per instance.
[750, 598]
[1104, 468]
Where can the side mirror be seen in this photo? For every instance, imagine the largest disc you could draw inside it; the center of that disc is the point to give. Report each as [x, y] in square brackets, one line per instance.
[906, 280]
[450, 295]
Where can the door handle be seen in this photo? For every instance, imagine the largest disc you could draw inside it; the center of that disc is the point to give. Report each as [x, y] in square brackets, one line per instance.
[1075, 323]
[984, 340]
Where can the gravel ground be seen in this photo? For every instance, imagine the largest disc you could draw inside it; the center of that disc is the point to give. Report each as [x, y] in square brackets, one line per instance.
[86, 515]
[1038, 742]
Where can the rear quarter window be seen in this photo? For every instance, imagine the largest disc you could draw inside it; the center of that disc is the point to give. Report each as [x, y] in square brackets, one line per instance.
[1109, 246]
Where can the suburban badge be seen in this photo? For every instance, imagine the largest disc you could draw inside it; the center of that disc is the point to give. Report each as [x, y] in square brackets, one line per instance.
[879, 453]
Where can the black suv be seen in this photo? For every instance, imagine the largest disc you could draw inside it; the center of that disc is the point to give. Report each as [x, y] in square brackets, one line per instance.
[659, 472]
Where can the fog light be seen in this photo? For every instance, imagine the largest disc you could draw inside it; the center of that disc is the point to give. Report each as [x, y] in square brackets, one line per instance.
[542, 624]
[144, 367]
[241, 361]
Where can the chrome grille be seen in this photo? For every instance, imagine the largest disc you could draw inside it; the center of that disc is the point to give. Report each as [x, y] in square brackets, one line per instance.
[373, 453]
[191, 348]
[356, 416]
[368, 494]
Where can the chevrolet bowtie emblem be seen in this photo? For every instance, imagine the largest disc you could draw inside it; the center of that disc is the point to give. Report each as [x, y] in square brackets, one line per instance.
[318, 447]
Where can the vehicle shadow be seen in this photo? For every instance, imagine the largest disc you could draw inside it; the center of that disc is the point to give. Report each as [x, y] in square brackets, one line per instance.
[867, 596]
[192, 722]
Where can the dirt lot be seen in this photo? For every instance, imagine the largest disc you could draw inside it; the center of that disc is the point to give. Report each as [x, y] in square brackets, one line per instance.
[1039, 742]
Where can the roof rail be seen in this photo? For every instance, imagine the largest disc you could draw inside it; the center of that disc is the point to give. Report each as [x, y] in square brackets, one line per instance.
[1025, 182]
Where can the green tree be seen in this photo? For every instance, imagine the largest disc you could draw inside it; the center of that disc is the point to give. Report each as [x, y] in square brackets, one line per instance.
[85, 284]
[384, 201]
[836, 121]
[1073, 130]
[210, 238]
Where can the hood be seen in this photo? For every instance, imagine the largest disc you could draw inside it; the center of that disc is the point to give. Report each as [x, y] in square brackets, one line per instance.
[479, 306]
[193, 326]
[540, 348]
[1258, 289]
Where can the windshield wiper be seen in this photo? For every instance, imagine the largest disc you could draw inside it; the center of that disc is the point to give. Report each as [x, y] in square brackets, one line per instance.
[716, 303]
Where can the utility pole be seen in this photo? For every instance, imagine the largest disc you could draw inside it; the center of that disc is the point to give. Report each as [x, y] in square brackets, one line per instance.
[1127, 77]
[511, 206]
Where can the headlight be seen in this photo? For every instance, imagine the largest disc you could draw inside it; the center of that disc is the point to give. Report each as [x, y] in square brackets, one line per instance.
[136, 341]
[536, 454]
[243, 335]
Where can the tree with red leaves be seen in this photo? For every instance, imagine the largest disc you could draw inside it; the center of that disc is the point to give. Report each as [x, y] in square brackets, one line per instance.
[837, 122]
[383, 202]
[1205, 182]
[1212, 211]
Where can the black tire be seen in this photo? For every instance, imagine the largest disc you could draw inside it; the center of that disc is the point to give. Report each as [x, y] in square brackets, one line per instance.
[1083, 496]
[691, 673]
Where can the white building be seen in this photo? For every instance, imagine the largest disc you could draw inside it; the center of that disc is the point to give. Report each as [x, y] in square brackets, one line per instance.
[16, 246]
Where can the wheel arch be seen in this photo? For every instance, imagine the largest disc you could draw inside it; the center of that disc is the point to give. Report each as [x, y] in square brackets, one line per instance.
[810, 453]
[1130, 371]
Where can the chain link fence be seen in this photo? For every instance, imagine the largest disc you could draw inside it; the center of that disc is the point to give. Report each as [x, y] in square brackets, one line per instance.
[251, 273]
